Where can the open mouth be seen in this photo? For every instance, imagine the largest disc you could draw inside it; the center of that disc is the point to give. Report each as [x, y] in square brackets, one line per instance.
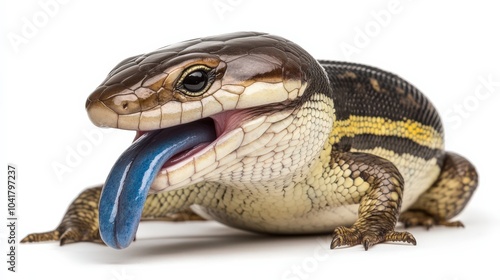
[189, 152]
[152, 152]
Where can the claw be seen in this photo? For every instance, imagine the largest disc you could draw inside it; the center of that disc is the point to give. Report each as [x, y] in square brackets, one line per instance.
[412, 241]
[366, 244]
[44, 236]
[345, 236]
[336, 242]
[401, 237]
[413, 218]
[367, 237]
[69, 236]
[369, 240]
[65, 241]
[452, 224]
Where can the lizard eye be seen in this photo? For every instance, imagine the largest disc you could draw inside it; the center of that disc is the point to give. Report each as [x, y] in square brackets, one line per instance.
[195, 80]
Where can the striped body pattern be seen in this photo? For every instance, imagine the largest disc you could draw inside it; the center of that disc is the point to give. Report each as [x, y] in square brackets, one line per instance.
[324, 194]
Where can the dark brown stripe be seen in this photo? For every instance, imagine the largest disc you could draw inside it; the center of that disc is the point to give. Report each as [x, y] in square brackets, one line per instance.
[367, 91]
[396, 144]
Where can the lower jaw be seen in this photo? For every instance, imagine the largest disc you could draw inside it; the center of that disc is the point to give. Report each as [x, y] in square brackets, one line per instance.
[222, 123]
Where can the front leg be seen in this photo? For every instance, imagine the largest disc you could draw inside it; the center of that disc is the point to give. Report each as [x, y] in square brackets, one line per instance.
[380, 188]
[80, 222]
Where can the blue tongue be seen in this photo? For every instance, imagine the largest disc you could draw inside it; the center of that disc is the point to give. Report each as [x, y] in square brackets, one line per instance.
[126, 188]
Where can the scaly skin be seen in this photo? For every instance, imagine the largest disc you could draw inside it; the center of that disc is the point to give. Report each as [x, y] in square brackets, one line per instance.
[303, 146]
[446, 197]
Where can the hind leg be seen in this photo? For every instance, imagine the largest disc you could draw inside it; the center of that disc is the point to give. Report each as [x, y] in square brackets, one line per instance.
[446, 197]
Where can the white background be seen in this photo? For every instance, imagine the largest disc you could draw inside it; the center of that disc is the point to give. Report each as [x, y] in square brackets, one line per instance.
[446, 49]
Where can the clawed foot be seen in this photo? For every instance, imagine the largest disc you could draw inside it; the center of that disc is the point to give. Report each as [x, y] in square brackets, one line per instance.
[413, 218]
[80, 223]
[350, 236]
[65, 236]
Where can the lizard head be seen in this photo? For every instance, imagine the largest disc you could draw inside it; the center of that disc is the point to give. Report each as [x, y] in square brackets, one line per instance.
[231, 109]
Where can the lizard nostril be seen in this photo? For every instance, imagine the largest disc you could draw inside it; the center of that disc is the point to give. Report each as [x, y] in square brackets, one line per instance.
[123, 104]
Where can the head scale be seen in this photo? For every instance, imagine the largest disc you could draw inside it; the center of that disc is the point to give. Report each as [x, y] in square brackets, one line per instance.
[198, 78]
